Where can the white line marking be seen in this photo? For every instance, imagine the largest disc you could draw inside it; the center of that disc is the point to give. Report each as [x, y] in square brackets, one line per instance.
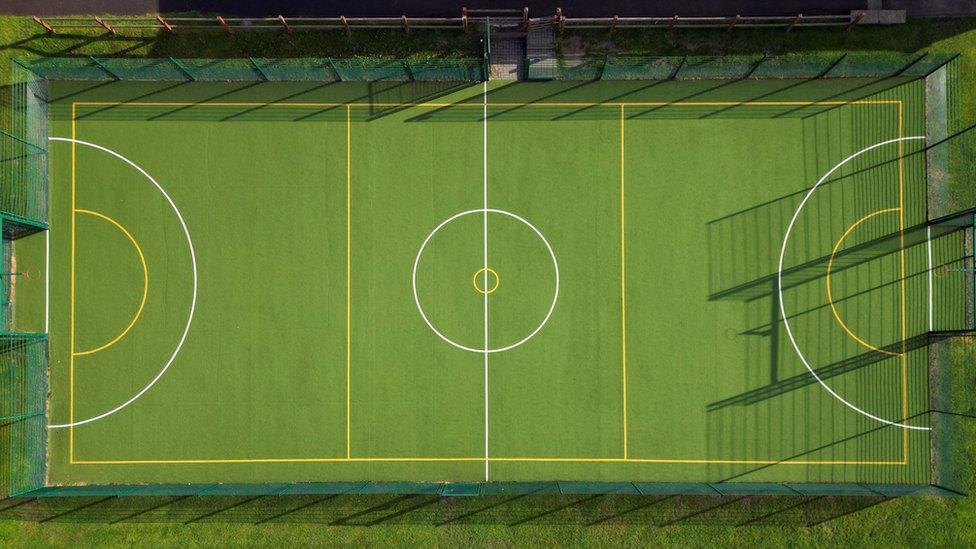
[193, 301]
[47, 281]
[485, 285]
[782, 302]
[416, 296]
[928, 245]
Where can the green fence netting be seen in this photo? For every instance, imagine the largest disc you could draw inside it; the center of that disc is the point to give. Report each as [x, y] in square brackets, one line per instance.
[258, 69]
[23, 150]
[950, 130]
[11, 229]
[460, 489]
[23, 204]
[953, 435]
[732, 67]
[23, 390]
[960, 139]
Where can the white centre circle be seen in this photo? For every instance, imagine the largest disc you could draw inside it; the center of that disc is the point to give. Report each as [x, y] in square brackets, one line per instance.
[484, 211]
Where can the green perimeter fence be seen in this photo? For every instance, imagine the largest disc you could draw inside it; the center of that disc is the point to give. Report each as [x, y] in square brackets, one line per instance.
[23, 356]
[458, 489]
[306, 69]
[793, 66]
[23, 422]
[24, 210]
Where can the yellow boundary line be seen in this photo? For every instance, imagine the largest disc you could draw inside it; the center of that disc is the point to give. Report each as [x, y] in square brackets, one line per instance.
[71, 314]
[501, 105]
[486, 270]
[830, 268]
[348, 458]
[904, 297]
[481, 460]
[348, 283]
[145, 283]
[623, 282]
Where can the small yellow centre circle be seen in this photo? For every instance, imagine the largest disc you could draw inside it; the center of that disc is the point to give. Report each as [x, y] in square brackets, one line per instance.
[480, 276]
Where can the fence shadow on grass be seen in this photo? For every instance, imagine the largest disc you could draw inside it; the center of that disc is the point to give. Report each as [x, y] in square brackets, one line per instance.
[372, 510]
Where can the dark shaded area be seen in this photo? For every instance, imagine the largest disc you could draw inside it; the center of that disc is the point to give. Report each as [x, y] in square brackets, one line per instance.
[435, 8]
[371, 510]
[792, 383]
[844, 259]
[441, 8]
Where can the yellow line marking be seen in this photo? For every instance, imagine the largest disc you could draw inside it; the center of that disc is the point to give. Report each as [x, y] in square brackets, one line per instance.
[830, 295]
[486, 271]
[623, 285]
[500, 105]
[697, 461]
[270, 460]
[350, 459]
[482, 459]
[145, 282]
[71, 315]
[904, 298]
[348, 282]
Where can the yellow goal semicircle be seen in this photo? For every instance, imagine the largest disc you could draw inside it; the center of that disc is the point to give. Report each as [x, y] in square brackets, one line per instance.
[145, 284]
[830, 296]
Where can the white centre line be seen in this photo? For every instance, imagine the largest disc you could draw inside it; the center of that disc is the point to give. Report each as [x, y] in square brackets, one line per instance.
[484, 97]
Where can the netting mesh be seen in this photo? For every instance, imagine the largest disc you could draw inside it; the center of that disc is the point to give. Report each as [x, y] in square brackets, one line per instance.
[960, 140]
[951, 380]
[259, 69]
[489, 489]
[298, 70]
[23, 150]
[640, 68]
[23, 389]
[808, 65]
[725, 67]
[732, 67]
[24, 193]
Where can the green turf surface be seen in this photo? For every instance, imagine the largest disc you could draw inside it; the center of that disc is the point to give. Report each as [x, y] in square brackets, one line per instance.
[663, 360]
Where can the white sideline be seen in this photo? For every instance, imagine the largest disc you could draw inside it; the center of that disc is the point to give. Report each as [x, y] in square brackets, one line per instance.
[484, 98]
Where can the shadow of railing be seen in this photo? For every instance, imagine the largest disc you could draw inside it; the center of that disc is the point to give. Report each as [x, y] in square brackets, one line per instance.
[250, 101]
[844, 259]
[826, 372]
[736, 233]
[512, 511]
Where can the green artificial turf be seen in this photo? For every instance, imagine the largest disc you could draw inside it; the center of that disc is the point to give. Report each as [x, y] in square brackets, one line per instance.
[624, 223]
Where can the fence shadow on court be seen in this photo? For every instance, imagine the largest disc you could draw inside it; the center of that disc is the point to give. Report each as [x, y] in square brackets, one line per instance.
[246, 101]
[841, 367]
[740, 98]
[513, 511]
[450, 101]
[744, 246]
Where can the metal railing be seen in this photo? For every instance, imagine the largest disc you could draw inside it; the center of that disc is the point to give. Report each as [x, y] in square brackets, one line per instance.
[511, 17]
